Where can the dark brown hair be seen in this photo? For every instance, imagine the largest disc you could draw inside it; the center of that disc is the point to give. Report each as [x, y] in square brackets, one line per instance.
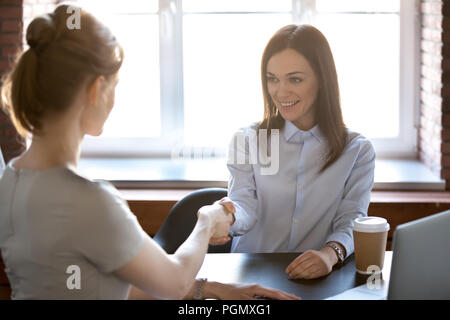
[60, 60]
[310, 43]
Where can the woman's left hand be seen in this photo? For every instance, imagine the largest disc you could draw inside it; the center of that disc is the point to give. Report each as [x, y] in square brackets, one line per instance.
[225, 291]
[310, 265]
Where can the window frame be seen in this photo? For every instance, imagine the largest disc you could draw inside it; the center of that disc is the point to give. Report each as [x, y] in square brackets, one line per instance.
[172, 99]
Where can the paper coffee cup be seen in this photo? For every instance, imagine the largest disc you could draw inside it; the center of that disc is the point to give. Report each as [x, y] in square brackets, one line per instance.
[370, 238]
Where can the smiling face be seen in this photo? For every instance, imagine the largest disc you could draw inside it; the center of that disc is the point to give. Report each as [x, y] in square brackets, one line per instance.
[292, 85]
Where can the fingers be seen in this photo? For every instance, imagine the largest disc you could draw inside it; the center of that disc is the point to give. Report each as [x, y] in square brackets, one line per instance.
[270, 293]
[238, 291]
[307, 266]
[299, 262]
[228, 204]
[314, 275]
[229, 207]
[306, 273]
[219, 241]
[221, 220]
[280, 295]
[222, 227]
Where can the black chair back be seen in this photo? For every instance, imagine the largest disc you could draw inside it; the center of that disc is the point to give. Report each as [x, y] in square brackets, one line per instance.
[182, 218]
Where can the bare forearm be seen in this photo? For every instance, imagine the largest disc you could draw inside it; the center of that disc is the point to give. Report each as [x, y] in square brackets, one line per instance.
[189, 256]
[138, 294]
[171, 276]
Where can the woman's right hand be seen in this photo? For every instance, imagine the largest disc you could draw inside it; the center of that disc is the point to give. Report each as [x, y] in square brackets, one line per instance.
[220, 218]
[231, 209]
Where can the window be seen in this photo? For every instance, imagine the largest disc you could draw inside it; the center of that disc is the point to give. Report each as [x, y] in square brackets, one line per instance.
[191, 75]
[375, 48]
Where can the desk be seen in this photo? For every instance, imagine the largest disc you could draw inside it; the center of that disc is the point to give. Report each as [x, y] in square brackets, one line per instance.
[267, 269]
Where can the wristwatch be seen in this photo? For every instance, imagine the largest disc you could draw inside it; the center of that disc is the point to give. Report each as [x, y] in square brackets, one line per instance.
[198, 293]
[338, 251]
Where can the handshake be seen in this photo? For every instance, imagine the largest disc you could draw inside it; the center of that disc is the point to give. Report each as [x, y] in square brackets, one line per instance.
[220, 213]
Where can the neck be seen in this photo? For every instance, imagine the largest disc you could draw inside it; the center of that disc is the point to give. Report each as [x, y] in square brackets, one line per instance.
[304, 125]
[59, 145]
[307, 121]
[55, 151]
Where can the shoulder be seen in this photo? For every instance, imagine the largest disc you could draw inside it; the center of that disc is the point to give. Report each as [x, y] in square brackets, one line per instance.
[247, 130]
[360, 145]
[90, 193]
[98, 206]
[244, 136]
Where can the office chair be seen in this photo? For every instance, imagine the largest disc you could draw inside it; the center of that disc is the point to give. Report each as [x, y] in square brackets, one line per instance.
[182, 218]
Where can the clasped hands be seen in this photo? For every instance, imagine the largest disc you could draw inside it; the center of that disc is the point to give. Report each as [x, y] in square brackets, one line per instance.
[222, 212]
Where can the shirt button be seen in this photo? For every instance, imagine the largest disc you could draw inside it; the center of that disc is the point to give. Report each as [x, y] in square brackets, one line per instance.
[295, 221]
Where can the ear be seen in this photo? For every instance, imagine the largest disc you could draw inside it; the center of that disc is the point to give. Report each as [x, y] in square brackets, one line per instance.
[94, 90]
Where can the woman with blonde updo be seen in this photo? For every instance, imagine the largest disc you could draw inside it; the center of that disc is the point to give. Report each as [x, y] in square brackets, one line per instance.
[54, 222]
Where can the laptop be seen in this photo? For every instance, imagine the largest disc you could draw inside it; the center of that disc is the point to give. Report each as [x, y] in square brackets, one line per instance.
[421, 260]
[420, 263]
[2, 163]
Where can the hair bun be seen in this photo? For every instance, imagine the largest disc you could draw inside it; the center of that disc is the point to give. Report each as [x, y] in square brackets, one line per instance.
[40, 32]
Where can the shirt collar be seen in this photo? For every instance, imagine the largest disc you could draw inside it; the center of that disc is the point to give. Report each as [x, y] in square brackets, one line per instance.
[291, 131]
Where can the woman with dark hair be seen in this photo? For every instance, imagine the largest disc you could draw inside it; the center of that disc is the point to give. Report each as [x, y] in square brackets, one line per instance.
[324, 172]
[54, 221]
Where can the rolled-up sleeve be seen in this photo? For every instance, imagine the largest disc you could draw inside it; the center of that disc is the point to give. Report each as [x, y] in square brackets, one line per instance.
[356, 197]
[241, 185]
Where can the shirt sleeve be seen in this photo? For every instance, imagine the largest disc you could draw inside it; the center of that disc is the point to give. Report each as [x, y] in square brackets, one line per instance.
[241, 185]
[356, 197]
[105, 231]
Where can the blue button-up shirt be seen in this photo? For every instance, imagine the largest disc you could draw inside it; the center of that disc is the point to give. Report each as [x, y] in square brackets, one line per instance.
[293, 208]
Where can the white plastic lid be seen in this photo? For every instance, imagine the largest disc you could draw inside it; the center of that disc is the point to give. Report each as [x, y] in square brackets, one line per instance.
[370, 224]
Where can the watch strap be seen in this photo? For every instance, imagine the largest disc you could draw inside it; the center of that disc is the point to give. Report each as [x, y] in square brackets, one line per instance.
[198, 291]
[338, 251]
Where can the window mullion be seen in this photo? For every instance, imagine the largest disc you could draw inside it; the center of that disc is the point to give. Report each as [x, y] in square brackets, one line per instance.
[303, 11]
[171, 68]
[409, 72]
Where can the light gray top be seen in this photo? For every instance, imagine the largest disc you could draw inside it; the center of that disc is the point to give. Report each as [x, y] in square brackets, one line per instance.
[52, 220]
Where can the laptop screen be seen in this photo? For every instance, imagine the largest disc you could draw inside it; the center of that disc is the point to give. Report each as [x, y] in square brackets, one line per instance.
[2, 163]
[420, 262]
